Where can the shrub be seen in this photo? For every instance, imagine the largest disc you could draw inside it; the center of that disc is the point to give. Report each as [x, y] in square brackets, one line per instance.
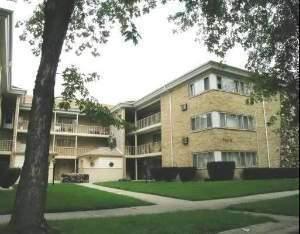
[75, 178]
[157, 174]
[187, 173]
[169, 173]
[221, 170]
[270, 173]
[164, 173]
[9, 177]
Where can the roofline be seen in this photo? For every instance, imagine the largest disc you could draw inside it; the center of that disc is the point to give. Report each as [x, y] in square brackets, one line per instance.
[210, 65]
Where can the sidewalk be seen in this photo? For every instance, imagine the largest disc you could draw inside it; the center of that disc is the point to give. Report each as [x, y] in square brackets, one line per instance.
[163, 205]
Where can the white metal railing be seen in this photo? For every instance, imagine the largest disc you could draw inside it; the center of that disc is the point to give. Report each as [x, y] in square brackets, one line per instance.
[6, 145]
[62, 127]
[70, 151]
[70, 128]
[154, 147]
[148, 121]
[94, 130]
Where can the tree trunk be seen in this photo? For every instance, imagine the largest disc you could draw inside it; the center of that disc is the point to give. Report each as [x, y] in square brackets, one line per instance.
[28, 215]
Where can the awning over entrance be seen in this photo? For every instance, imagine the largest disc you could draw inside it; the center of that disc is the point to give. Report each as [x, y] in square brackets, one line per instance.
[103, 151]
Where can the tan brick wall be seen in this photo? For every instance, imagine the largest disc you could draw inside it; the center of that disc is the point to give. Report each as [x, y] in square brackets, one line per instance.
[215, 139]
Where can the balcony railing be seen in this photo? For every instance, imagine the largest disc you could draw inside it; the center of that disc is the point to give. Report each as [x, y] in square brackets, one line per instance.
[6, 145]
[71, 151]
[71, 128]
[149, 148]
[94, 130]
[148, 121]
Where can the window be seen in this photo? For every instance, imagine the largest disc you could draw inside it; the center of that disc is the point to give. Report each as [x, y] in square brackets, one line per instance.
[236, 86]
[201, 122]
[236, 121]
[219, 82]
[209, 120]
[200, 160]
[222, 120]
[196, 88]
[206, 83]
[241, 159]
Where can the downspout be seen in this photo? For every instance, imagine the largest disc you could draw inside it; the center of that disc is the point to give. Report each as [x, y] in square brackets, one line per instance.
[171, 127]
[267, 133]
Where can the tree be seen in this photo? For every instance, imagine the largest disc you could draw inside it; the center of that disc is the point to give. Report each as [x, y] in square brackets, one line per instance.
[78, 25]
[269, 31]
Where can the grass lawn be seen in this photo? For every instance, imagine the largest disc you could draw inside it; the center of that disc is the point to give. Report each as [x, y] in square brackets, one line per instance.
[69, 197]
[196, 191]
[187, 222]
[283, 206]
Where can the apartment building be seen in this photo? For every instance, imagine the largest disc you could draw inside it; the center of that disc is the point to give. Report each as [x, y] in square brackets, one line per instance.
[199, 117]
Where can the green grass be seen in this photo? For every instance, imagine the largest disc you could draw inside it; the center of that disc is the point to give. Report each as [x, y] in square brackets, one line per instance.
[68, 197]
[187, 222]
[196, 191]
[282, 206]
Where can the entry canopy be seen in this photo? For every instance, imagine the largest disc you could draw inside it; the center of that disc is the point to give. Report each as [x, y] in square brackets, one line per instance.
[103, 151]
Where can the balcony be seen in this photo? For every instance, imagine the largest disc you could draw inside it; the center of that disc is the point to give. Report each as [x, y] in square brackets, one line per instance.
[72, 129]
[6, 145]
[149, 121]
[70, 151]
[150, 148]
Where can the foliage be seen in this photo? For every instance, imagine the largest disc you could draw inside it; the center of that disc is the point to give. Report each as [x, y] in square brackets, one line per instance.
[221, 170]
[9, 177]
[90, 25]
[270, 173]
[187, 173]
[269, 31]
[164, 173]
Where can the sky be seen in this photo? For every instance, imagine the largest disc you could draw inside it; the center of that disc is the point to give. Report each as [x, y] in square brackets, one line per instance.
[128, 72]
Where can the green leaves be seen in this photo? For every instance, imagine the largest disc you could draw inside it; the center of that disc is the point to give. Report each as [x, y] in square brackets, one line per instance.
[76, 94]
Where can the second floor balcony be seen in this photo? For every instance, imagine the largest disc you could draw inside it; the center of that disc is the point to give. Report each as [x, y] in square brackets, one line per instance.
[149, 148]
[75, 129]
[149, 121]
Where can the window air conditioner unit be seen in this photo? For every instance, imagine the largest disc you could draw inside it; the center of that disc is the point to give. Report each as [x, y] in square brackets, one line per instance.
[184, 107]
[185, 140]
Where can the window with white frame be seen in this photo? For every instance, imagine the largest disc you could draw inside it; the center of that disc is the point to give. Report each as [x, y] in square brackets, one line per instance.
[202, 121]
[233, 85]
[200, 160]
[237, 121]
[198, 86]
[241, 159]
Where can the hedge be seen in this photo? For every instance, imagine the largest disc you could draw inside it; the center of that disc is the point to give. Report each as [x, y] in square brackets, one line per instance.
[75, 178]
[187, 173]
[164, 173]
[270, 173]
[9, 177]
[221, 170]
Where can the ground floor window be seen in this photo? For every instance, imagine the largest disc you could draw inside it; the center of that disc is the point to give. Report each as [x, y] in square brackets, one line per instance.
[241, 159]
[200, 160]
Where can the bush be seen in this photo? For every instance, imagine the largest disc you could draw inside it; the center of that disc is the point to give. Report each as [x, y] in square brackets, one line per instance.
[270, 173]
[9, 177]
[164, 173]
[221, 170]
[187, 173]
[75, 178]
[157, 174]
